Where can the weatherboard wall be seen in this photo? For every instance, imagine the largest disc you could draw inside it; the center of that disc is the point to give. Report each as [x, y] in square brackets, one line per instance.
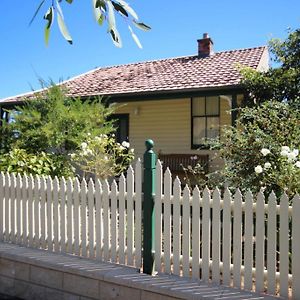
[167, 122]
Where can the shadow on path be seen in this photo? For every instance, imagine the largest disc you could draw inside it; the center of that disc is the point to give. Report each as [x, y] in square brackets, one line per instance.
[6, 297]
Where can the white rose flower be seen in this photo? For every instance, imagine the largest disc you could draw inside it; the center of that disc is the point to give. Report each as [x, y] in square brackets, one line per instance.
[105, 158]
[267, 165]
[284, 153]
[83, 145]
[296, 152]
[265, 151]
[258, 169]
[285, 148]
[132, 150]
[125, 144]
[291, 156]
[297, 164]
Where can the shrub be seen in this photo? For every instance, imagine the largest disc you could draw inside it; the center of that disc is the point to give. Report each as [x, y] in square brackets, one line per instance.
[46, 129]
[19, 161]
[103, 156]
[253, 149]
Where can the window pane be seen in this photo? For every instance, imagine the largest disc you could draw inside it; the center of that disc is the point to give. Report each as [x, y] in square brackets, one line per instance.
[239, 100]
[198, 131]
[212, 106]
[199, 106]
[121, 124]
[225, 110]
[213, 124]
[226, 102]
[123, 130]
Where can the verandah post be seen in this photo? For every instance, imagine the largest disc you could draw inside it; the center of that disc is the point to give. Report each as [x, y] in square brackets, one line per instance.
[148, 214]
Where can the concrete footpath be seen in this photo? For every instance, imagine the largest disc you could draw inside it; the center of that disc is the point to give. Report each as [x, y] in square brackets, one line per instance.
[37, 274]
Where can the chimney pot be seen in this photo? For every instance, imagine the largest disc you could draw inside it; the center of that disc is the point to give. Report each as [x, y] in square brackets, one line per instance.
[205, 46]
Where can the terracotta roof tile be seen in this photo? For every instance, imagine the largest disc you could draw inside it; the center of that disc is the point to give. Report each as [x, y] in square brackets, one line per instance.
[182, 73]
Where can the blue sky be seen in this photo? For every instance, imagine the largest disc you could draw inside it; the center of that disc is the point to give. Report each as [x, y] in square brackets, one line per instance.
[176, 25]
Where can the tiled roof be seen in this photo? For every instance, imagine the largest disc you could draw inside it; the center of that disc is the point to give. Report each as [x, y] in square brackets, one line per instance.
[166, 75]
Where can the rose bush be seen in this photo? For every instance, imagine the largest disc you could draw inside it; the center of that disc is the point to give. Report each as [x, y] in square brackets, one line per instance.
[280, 171]
[103, 156]
[262, 150]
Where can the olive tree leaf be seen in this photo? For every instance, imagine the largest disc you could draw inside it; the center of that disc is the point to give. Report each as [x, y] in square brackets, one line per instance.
[116, 37]
[141, 25]
[120, 8]
[59, 10]
[111, 16]
[99, 16]
[96, 10]
[49, 17]
[135, 38]
[101, 4]
[62, 26]
[36, 12]
[128, 9]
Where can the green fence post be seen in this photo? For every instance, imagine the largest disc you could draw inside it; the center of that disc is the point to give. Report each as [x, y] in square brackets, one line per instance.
[148, 215]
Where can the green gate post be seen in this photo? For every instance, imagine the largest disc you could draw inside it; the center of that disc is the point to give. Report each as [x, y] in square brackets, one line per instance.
[148, 217]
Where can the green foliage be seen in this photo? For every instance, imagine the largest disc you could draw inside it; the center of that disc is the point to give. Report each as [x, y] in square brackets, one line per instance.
[103, 156]
[199, 176]
[262, 150]
[19, 161]
[45, 130]
[269, 126]
[53, 121]
[104, 10]
[281, 83]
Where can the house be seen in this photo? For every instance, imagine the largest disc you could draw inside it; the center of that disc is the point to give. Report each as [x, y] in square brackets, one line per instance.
[178, 102]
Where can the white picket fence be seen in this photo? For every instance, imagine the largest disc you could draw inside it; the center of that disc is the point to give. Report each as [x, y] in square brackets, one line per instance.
[91, 220]
[238, 240]
[242, 241]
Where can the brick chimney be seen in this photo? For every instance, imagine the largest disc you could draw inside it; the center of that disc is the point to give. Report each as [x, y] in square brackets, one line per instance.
[205, 46]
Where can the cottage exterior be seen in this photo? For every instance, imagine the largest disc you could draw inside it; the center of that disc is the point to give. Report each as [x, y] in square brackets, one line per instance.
[178, 102]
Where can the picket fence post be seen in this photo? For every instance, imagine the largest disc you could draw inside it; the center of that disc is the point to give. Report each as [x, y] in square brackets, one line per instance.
[148, 221]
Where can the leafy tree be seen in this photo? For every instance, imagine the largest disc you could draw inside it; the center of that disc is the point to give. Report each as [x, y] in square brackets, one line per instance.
[54, 122]
[270, 120]
[45, 130]
[262, 150]
[104, 11]
[52, 133]
[278, 83]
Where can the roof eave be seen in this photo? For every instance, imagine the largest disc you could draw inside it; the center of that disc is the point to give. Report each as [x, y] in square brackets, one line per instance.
[164, 94]
[147, 95]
